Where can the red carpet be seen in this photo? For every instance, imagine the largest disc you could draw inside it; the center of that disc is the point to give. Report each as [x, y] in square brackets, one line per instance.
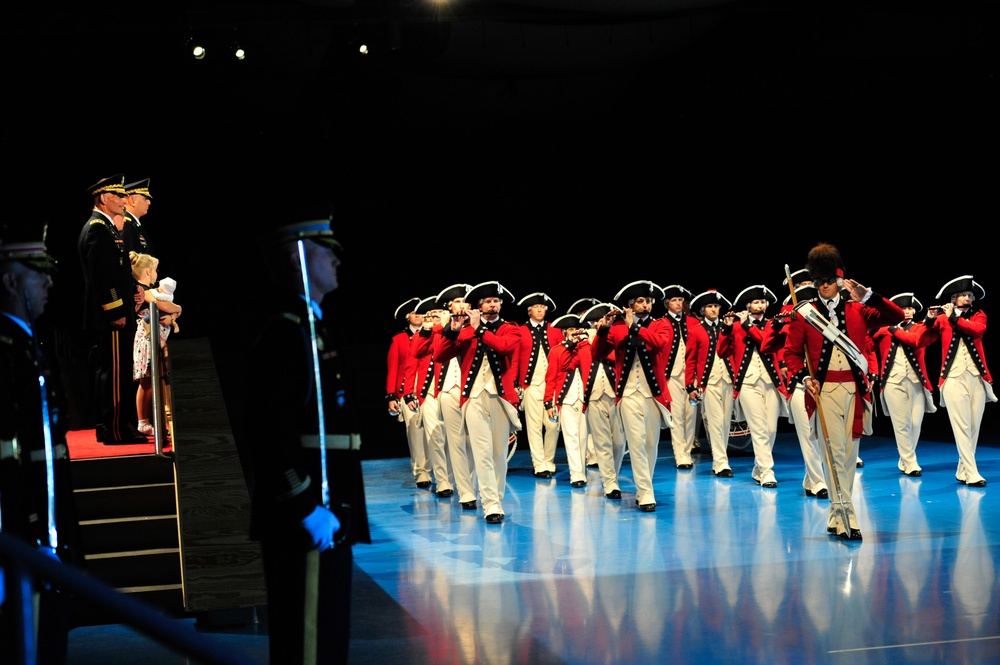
[83, 444]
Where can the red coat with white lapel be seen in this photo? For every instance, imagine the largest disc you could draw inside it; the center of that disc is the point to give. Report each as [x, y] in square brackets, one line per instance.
[747, 336]
[696, 369]
[399, 351]
[916, 337]
[952, 330]
[656, 338]
[565, 359]
[526, 361]
[463, 344]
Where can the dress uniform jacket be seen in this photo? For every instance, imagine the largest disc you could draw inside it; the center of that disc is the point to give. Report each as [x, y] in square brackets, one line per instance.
[421, 369]
[399, 351]
[649, 343]
[500, 341]
[913, 339]
[702, 354]
[748, 337]
[968, 329]
[853, 319]
[565, 359]
[536, 341]
[108, 276]
[134, 236]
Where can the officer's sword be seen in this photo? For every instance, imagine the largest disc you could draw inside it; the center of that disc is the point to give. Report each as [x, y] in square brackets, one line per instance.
[822, 420]
[310, 631]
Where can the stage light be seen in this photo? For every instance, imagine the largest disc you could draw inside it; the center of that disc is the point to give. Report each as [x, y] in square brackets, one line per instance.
[198, 51]
[239, 52]
[363, 49]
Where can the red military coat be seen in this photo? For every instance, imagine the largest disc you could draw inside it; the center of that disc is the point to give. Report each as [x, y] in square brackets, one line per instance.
[699, 346]
[527, 360]
[915, 337]
[399, 351]
[857, 320]
[972, 328]
[656, 338]
[565, 359]
[747, 337]
[463, 344]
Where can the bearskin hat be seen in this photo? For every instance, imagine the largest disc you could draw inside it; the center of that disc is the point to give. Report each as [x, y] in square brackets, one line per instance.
[824, 262]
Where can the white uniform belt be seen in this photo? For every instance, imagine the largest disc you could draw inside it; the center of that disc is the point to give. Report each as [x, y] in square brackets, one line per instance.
[333, 441]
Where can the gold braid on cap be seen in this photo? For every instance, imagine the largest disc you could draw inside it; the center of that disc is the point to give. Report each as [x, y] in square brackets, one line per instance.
[823, 261]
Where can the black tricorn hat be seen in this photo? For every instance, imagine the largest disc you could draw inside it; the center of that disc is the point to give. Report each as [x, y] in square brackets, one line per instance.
[799, 276]
[537, 298]
[642, 288]
[114, 184]
[426, 305]
[26, 245]
[581, 305]
[824, 262]
[404, 309]
[139, 187]
[755, 292]
[676, 291]
[908, 300]
[597, 311]
[568, 321]
[803, 293]
[709, 297]
[317, 230]
[960, 285]
[449, 293]
[488, 290]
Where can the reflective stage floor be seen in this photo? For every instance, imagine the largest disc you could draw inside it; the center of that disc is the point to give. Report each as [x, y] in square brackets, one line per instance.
[722, 572]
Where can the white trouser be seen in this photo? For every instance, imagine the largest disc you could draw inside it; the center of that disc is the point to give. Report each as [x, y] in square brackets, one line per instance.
[965, 399]
[684, 416]
[906, 405]
[761, 404]
[543, 435]
[573, 423]
[609, 439]
[808, 432]
[418, 445]
[640, 417]
[437, 446]
[463, 464]
[489, 433]
[717, 411]
[838, 402]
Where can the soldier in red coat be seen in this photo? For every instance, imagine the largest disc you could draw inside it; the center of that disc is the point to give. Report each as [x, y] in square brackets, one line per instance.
[683, 414]
[538, 338]
[759, 388]
[639, 340]
[484, 344]
[564, 392]
[906, 392]
[964, 381]
[709, 375]
[836, 372]
[399, 351]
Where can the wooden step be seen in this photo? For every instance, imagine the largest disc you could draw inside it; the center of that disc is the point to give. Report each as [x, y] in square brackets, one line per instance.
[104, 503]
[129, 533]
[138, 568]
[127, 470]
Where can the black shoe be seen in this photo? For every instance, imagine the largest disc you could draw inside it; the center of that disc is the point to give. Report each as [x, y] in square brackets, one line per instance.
[852, 534]
[769, 484]
[822, 494]
[978, 483]
[468, 505]
[725, 473]
[423, 484]
[614, 494]
[578, 483]
[860, 463]
[592, 465]
[544, 475]
[647, 507]
[915, 473]
[444, 494]
[685, 467]
[495, 518]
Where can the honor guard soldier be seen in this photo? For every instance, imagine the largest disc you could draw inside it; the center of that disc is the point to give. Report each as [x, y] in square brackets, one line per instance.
[964, 381]
[537, 339]
[307, 493]
[137, 202]
[423, 374]
[683, 414]
[759, 388]
[399, 352]
[578, 307]
[564, 393]
[709, 373]
[600, 402]
[110, 301]
[36, 495]
[905, 387]
[639, 342]
[485, 346]
[824, 350]
[451, 300]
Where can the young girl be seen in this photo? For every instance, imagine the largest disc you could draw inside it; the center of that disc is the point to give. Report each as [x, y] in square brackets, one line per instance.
[144, 272]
